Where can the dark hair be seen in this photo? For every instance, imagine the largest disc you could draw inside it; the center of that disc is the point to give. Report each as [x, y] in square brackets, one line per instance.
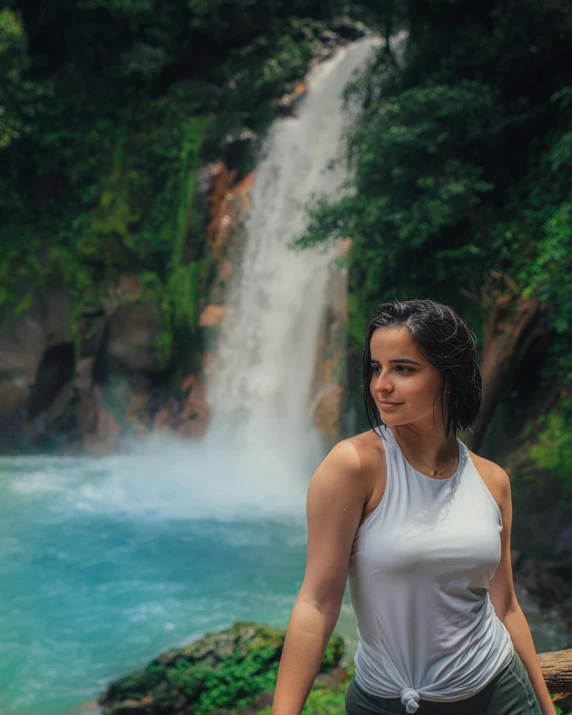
[445, 341]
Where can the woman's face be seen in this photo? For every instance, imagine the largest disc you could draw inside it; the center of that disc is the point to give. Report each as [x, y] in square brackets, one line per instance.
[403, 384]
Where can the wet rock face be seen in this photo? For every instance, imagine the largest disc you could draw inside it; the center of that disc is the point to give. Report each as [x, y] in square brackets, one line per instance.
[330, 381]
[90, 393]
[230, 670]
[34, 364]
[132, 338]
[22, 346]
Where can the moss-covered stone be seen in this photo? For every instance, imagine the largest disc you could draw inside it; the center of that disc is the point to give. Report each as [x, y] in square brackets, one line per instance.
[222, 671]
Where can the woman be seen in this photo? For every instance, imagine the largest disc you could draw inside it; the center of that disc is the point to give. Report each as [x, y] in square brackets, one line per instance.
[421, 526]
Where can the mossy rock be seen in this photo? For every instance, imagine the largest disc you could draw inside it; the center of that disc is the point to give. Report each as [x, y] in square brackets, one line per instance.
[222, 671]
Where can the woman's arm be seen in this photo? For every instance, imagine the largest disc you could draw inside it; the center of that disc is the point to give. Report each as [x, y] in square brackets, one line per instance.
[504, 598]
[336, 497]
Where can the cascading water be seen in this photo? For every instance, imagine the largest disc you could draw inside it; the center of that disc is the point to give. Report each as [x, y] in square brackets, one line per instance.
[260, 389]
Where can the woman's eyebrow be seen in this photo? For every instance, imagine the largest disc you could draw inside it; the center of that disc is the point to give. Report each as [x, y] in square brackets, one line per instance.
[398, 360]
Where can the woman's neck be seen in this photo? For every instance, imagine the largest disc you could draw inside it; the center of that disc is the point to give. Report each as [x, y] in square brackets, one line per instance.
[430, 447]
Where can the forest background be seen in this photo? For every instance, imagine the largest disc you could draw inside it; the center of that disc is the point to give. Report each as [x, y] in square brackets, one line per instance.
[461, 186]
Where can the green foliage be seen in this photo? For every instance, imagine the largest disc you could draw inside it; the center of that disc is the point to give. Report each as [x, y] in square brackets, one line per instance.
[127, 7]
[552, 449]
[547, 277]
[328, 701]
[143, 220]
[238, 681]
[103, 181]
[321, 701]
[324, 701]
[18, 95]
[334, 652]
[536, 244]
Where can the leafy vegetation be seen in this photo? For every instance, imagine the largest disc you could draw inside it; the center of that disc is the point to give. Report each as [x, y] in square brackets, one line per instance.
[105, 119]
[552, 450]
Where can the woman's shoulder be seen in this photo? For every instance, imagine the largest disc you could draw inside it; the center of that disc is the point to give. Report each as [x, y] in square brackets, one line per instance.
[361, 453]
[351, 472]
[494, 476]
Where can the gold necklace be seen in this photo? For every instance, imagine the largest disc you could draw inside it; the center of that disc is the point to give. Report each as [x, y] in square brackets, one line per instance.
[434, 471]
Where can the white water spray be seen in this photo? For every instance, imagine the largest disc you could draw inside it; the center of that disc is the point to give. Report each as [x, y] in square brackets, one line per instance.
[260, 389]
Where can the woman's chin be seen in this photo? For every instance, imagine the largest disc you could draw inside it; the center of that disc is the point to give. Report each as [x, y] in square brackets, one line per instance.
[393, 418]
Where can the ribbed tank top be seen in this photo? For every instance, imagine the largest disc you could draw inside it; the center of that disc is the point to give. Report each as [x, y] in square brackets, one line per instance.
[419, 576]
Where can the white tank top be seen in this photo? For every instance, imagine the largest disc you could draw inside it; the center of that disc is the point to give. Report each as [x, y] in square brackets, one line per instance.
[419, 576]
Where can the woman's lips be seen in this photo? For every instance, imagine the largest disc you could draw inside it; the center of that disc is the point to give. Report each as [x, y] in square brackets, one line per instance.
[388, 406]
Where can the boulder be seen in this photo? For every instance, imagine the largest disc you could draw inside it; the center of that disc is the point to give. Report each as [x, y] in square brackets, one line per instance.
[211, 315]
[22, 346]
[36, 365]
[132, 338]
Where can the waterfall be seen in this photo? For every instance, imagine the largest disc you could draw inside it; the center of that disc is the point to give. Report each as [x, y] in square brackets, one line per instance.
[260, 388]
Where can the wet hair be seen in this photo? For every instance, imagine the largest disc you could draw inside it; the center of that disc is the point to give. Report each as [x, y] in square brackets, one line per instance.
[445, 341]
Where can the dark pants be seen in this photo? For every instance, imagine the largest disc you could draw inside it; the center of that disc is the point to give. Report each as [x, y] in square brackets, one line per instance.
[508, 693]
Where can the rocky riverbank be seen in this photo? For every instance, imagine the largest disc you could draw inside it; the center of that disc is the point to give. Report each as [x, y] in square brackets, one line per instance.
[234, 670]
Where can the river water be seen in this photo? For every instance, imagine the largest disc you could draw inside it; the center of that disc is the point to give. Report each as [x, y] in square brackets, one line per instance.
[105, 563]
